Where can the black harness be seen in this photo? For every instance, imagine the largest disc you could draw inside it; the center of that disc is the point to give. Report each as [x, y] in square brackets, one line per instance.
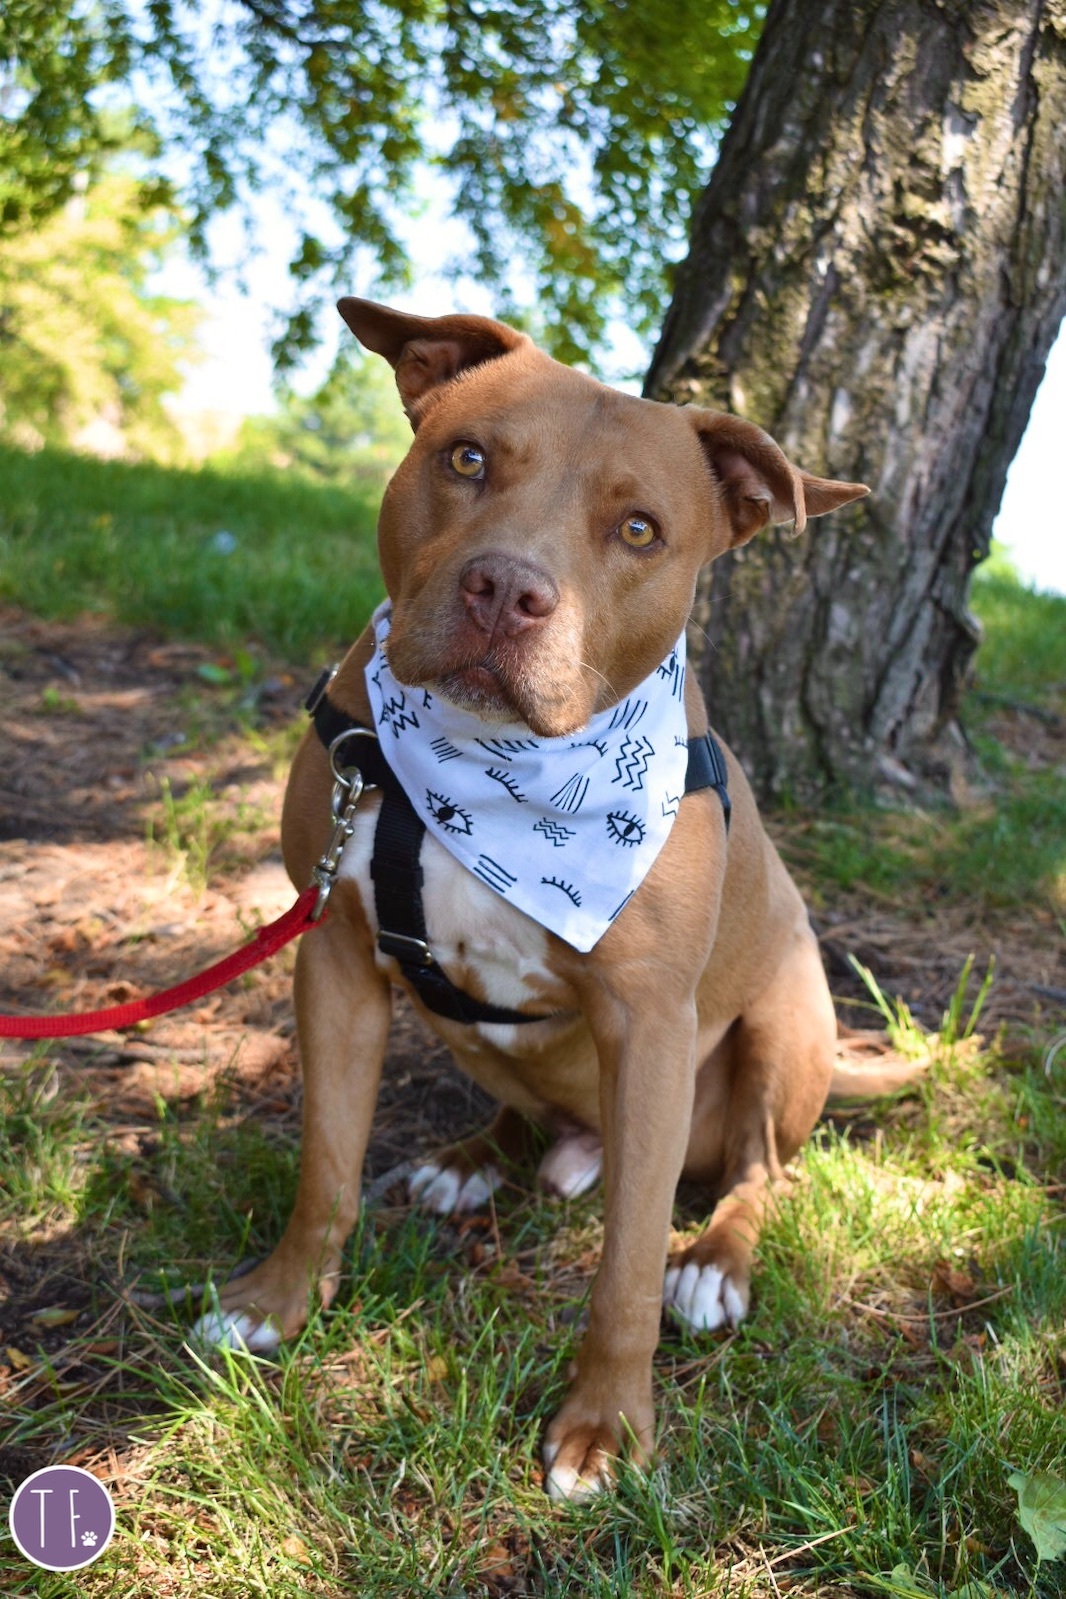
[397, 872]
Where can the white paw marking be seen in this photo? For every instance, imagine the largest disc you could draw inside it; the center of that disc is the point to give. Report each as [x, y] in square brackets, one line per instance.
[566, 1483]
[446, 1192]
[573, 1165]
[704, 1297]
[236, 1329]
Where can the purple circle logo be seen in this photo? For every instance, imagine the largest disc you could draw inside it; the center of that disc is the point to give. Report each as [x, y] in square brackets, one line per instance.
[62, 1518]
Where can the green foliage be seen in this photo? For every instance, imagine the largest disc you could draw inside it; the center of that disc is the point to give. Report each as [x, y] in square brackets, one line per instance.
[54, 57]
[80, 336]
[574, 136]
[1042, 1511]
[352, 429]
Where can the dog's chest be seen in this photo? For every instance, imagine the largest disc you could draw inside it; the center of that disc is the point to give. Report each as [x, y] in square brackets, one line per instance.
[487, 947]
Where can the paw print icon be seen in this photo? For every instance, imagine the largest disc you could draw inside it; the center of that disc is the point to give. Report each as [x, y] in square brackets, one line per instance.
[61, 1518]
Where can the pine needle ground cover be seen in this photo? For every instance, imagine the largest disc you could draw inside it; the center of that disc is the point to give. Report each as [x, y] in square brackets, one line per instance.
[889, 1419]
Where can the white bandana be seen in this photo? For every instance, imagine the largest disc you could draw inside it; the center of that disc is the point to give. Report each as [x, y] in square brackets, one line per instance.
[565, 828]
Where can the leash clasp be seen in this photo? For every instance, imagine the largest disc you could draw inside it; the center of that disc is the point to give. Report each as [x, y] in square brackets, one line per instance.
[348, 789]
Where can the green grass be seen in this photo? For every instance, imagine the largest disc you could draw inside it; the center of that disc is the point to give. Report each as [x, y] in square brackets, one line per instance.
[856, 1424]
[140, 543]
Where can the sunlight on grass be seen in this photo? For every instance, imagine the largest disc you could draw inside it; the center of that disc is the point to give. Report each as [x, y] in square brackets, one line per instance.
[222, 557]
[902, 1351]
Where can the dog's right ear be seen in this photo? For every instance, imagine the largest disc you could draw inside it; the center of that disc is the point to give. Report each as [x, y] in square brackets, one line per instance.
[427, 351]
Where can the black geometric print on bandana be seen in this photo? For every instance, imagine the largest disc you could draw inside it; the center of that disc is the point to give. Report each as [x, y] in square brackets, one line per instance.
[628, 714]
[620, 908]
[673, 670]
[571, 796]
[495, 875]
[507, 748]
[451, 817]
[567, 888]
[444, 751]
[597, 744]
[671, 804]
[427, 700]
[679, 742]
[506, 781]
[396, 713]
[554, 832]
[624, 829]
[632, 762]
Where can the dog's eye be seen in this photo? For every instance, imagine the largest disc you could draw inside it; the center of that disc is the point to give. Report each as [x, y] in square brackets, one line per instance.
[638, 531]
[468, 460]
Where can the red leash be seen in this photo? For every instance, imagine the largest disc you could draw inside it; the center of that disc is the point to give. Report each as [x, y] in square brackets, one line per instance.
[267, 941]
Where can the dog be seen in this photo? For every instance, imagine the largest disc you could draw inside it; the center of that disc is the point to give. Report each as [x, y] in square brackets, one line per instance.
[540, 545]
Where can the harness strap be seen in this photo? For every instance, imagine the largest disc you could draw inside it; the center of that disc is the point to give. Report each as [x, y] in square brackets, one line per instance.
[397, 873]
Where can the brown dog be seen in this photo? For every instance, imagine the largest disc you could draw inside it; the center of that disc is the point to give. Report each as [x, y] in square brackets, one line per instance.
[540, 545]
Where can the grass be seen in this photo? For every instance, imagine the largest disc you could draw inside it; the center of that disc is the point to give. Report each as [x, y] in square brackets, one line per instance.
[219, 556]
[863, 1420]
[906, 1348]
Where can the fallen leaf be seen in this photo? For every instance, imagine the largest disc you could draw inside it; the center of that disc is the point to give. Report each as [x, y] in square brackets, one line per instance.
[297, 1550]
[211, 673]
[54, 1316]
[1042, 1510]
[959, 1286]
[16, 1359]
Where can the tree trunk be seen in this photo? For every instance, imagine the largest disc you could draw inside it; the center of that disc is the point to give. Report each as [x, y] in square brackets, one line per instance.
[876, 275]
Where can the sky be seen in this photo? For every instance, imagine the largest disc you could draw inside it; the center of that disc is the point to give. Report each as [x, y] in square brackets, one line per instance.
[235, 374]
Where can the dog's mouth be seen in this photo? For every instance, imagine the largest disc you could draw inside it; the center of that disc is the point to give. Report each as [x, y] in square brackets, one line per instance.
[482, 688]
[499, 680]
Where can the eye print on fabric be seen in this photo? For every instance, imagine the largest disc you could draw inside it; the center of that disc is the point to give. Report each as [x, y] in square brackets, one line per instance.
[452, 817]
[624, 829]
[506, 781]
[674, 673]
[568, 889]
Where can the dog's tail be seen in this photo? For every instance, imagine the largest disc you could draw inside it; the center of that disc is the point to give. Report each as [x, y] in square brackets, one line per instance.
[866, 1066]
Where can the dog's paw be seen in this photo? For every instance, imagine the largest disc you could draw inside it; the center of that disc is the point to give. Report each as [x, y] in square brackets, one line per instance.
[580, 1466]
[449, 1191]
[704, 1297]
[235, 1329]
[573, 1165]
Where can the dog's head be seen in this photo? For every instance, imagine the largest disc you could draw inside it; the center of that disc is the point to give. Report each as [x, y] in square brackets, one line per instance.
[540, 541]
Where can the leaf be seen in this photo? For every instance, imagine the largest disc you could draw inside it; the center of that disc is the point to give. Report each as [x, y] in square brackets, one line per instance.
[16, 1359]
[211, 673]
[295, 1549]
[1042, 1511]
[54, 1316]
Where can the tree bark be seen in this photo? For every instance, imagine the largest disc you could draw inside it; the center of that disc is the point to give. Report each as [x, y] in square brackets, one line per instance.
[876, 275]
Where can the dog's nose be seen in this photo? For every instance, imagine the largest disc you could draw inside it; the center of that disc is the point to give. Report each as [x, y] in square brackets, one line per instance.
[505, 594]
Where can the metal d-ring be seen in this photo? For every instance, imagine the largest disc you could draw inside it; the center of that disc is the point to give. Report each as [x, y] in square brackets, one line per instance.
[344, 775]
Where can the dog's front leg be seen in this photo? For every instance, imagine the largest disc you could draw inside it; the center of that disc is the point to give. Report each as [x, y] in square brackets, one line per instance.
[647, 1077]
[343, 1009]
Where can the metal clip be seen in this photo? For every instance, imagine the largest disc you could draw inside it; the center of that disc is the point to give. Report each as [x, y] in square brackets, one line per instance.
[348, 790]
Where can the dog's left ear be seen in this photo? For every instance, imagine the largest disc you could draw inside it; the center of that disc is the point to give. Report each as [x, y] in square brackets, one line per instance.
[427, 351]
[757, 482]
